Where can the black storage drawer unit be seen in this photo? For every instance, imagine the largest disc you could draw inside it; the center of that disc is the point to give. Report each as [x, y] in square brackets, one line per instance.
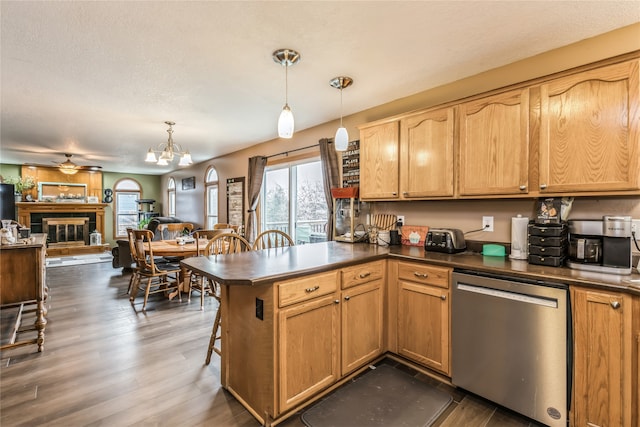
[548, 244]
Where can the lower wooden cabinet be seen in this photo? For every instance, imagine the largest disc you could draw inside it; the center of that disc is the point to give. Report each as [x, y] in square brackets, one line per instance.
[424, 315]
[329, 325]
[605, 381]
[308, 349]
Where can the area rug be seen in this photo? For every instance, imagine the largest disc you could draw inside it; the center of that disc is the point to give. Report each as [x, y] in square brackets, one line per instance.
[384, 396]
[78, 259]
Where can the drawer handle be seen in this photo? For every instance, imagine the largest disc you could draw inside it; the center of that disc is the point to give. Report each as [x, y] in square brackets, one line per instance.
[364, 275]
[421, 275]
[309, 290]
[615, 305]
[443, 297]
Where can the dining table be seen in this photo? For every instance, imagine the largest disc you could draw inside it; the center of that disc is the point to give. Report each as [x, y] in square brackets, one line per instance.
[172, 248]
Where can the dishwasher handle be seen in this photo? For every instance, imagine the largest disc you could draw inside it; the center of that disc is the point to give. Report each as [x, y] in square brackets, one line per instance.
[513, 296]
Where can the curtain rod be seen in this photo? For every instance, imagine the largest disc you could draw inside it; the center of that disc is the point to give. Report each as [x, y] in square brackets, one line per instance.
[292, 151]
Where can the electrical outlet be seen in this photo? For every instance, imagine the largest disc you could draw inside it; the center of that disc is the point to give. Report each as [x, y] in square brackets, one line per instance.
[400, 220]
[635, 228]
[487, 223]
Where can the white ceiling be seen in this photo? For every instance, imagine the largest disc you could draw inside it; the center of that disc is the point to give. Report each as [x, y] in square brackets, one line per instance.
[99, 78]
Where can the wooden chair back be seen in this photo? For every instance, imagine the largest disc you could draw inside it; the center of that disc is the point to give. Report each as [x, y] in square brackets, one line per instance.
[272, 239]
[142, 251]
[208, 234]
[227, 243]
[172, 230]
[222, 225]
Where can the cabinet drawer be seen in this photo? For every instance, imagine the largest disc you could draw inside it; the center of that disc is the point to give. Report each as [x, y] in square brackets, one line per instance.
[427, 274]
[306, 288]
[362, 273]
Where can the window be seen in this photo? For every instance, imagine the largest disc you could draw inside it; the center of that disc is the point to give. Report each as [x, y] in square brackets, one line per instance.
[126, 192]
[171, 196]
[293, 201]
[211, 194]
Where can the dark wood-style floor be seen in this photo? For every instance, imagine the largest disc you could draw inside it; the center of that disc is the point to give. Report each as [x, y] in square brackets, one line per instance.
[108, 364]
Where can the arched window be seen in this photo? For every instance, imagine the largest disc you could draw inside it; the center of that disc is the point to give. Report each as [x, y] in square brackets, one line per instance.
[171, 193]
[211, 196]
[126, 191]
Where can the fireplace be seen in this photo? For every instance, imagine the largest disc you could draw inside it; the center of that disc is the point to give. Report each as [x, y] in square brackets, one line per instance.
[68, 225]
[66, 231]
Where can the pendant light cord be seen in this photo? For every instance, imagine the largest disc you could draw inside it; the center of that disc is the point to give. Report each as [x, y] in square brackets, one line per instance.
[341, 106]
[286, 84]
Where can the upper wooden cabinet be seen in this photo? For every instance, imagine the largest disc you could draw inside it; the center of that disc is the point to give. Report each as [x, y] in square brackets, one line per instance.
[379, 161]
[426, 154]
[589, 131]
[494, 145]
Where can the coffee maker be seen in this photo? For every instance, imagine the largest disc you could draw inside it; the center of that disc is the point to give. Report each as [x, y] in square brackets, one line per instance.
[601, 245]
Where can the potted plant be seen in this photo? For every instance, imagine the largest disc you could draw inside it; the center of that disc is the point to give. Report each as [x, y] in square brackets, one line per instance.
[20, 185]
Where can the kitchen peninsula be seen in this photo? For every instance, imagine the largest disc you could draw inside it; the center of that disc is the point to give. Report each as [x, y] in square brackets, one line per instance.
[338, 307]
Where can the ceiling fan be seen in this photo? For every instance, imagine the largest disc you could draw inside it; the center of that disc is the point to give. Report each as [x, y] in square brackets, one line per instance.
[69, 168]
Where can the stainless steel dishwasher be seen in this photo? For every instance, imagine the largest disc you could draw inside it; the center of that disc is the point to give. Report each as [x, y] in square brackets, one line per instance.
[511, 343]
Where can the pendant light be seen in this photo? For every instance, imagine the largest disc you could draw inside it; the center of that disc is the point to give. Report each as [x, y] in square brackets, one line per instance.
[341, 140]
[167, 151]
[286, 58]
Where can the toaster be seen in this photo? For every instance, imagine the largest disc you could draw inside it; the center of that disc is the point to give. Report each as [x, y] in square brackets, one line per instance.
[447, 240]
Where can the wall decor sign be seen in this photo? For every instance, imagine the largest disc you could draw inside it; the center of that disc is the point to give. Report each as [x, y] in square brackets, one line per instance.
[235, 201]
[189, 183]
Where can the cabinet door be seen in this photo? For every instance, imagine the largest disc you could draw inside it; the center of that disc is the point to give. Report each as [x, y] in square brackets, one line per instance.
[602, 352]
[308, 349]
[426, 142]
[361, 325]
[589, 131]
[423, 324]
[494, 145]
[379, 161]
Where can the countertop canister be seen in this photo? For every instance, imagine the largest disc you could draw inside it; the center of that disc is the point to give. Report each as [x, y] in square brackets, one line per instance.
[519, 237]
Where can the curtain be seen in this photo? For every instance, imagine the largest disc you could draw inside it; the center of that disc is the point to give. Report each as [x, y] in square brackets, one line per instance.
[330, 177]
[256, 175]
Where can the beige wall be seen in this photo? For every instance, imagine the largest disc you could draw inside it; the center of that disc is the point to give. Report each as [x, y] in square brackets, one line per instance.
[465, 215]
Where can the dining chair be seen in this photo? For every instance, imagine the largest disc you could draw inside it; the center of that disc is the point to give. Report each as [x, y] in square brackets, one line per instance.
[196, 281]
[135, 276]
[222, 244]
[160, 277]
[272, 239]
[172, 230]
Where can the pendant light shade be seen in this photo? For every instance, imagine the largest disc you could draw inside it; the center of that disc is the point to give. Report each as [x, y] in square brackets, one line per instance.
[285, 123]
[286, 58]
[341, 140]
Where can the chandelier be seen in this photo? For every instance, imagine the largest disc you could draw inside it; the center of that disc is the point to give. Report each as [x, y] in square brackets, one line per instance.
[167, 151]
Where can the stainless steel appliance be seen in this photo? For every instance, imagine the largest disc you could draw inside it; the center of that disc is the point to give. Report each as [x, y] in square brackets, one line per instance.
[601, 245]
[511, 343]
[447, 240]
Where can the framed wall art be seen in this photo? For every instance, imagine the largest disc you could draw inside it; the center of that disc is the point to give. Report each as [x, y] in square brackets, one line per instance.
[189, 183]
[235, 201]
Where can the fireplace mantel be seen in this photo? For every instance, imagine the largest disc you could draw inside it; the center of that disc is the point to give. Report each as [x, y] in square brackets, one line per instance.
[26, 211]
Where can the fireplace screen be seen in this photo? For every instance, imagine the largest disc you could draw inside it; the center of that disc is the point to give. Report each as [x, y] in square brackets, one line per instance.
[66, 231]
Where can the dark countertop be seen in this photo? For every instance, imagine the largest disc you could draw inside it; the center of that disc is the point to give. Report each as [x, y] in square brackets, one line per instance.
[268, 266]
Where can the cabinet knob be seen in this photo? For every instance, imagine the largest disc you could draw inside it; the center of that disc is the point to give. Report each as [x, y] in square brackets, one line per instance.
[543, 186]
[523, 187]
[365, 275]
[347, 298]
[421, 275]
[405, 193]
[309, 290]
[394, 194]
[443, 297]
[615, 305]
[336, 301]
